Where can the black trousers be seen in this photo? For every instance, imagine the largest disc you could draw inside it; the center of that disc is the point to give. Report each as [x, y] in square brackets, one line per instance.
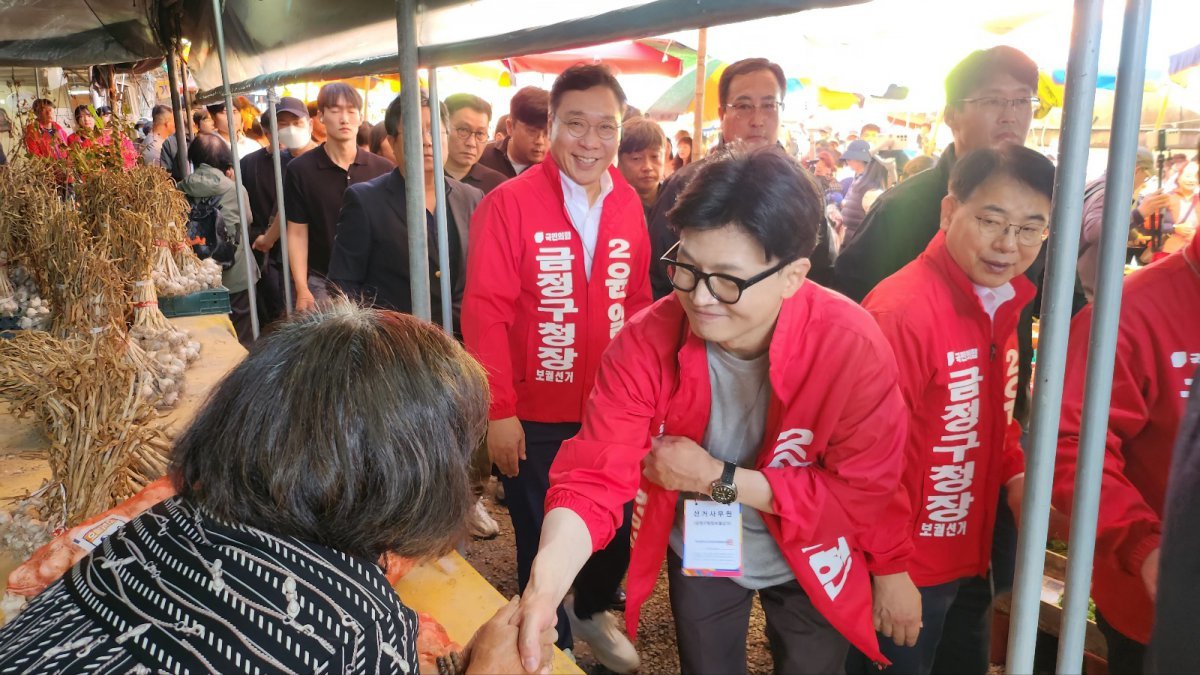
[712, 618]
[525, 495]
[955, 633]
[1126, 656]
[239, 316]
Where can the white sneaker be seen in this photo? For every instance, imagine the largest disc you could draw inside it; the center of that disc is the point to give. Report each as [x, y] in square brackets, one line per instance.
[603, 634]
[480, 522]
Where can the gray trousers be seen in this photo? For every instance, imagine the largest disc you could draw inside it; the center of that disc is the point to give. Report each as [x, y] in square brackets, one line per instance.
[712, 618]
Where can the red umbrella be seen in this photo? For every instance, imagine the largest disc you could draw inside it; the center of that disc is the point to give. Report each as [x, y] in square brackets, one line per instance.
[625, 58]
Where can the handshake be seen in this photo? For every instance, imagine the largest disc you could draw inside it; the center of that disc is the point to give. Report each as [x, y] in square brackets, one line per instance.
[494, 647]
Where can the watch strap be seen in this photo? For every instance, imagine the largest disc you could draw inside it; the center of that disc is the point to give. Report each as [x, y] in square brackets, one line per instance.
[727, 474]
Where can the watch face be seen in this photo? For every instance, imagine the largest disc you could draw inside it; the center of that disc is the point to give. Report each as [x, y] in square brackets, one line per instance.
[723, 493]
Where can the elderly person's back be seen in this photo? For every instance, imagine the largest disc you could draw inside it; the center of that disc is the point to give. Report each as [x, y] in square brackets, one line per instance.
[345, 435]
[212, 179]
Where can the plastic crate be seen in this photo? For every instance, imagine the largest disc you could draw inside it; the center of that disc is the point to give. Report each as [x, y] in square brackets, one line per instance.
[211, 301]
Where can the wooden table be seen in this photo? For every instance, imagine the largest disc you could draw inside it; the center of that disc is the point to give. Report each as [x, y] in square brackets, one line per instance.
[451, 591]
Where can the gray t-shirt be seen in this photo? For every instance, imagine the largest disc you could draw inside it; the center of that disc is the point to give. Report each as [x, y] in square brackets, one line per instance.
[741, 397]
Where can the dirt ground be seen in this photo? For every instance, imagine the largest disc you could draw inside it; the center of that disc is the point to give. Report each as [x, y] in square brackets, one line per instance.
[496, 561]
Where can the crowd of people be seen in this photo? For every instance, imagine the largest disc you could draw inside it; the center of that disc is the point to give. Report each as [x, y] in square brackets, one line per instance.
[802, 379]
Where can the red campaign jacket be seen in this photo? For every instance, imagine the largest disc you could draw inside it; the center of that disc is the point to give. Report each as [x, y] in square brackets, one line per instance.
[1158, 349]
[832, 452]
[530, 314]
[958, 375]
[43, 143]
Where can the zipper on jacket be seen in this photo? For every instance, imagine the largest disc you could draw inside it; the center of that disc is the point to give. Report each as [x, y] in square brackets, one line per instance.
[993, 353]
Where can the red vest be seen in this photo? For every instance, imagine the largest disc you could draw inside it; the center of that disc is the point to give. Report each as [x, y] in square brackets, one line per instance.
[832, 452]
[530, 314]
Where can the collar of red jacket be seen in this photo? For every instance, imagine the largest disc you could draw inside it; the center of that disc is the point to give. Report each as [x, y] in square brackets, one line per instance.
[794, 315]
[939, 256]
[553, 174]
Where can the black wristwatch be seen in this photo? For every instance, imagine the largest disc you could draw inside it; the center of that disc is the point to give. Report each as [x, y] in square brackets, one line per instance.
[723, 490]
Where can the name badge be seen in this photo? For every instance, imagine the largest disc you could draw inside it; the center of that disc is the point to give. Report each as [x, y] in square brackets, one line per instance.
[712, 539]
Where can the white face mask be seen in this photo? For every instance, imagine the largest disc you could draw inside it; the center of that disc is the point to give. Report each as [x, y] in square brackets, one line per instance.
[294, 136]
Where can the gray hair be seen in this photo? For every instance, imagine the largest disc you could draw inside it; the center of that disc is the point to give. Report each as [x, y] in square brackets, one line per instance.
[348, 427]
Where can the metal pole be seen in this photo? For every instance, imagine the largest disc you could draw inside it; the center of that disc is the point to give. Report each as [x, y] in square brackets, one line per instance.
[177, 109]
[698, 101]
[230, 111]
[1055, 327]
[414, 163]
[272, 98]
[1127, 113]
[439, 184]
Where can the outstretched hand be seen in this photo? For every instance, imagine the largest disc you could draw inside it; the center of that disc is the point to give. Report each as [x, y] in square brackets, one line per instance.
[536, 617]
[493, 649]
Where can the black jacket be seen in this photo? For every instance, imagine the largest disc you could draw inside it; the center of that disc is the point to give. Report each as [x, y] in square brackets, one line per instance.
[662, 238]
[495, 157]
[899, 226]
[370, 251]
[1176, 624]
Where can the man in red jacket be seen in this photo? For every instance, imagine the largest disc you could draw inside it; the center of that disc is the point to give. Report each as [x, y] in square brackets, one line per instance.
[951, 316]
[751, 385]
[559, 261]
[1158, 349]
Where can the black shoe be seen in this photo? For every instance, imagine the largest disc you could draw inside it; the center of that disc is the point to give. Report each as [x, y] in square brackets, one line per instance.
[618, 600]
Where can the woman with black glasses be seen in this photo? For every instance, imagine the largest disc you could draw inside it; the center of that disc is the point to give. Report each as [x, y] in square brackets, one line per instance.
[755, 419]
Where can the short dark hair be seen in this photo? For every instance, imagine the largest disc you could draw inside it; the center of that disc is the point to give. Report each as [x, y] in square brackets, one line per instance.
[640, 134]
[584, 76]
[313, 110]
[456, 102]
[81, 110]
[40, 103]
[869, 127]
[530, 105]
[392, 119]
[1026, 166]
[502, 123]
[210, 149]
[763, 192]
[348, 427]
[159, 114]
[745, 67]
[378, 133]
[984, 63]
[338, 93]
[198, 116]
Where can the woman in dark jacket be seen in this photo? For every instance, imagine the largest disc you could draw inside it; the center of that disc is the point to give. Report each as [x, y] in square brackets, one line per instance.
[346, 434]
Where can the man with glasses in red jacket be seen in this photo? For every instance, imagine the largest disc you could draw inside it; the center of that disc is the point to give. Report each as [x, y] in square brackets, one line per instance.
[754, 417]
[951, 317]
[558, 262]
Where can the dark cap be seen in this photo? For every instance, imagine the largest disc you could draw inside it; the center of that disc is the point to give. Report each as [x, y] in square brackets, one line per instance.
[859, 150]
[292, 105]
[214, 108]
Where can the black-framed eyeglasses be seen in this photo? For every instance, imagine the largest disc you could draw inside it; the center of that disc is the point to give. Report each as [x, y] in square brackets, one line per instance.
[1027, 235]
[726, 288]
[464, 133]
[746, 109]
[578, 127]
